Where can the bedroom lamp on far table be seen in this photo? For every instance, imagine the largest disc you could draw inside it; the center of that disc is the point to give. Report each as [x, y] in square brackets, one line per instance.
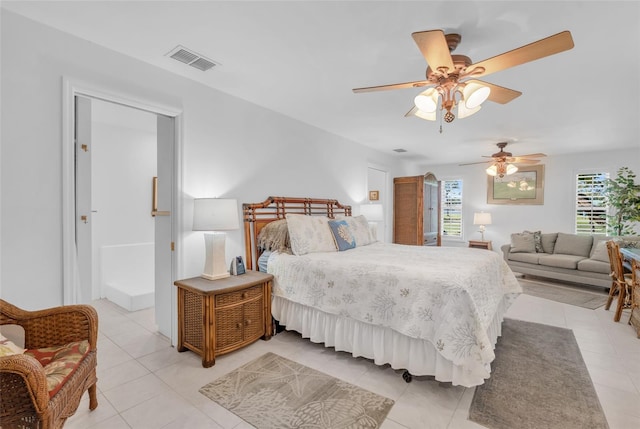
[215, 215]
[482, 219]
[374, 214]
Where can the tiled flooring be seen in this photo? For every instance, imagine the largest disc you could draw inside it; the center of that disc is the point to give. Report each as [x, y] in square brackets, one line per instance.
[144, 383]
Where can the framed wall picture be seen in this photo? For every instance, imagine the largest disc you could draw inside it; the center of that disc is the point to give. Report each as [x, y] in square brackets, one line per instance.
[374, 195]
[525, 186]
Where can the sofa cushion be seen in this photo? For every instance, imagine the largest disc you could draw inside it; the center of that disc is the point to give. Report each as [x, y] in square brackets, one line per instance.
[594, 266]
[530, 258]
[548, 241]
[60, 362]
[522, 242]
[560, 261]
[573, 244]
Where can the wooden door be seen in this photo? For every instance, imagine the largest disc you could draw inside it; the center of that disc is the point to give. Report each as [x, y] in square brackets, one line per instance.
[408, 210]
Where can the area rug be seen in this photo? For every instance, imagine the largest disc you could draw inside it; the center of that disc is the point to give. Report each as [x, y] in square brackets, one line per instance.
[564, 293]
[273, 392]
[538, 380]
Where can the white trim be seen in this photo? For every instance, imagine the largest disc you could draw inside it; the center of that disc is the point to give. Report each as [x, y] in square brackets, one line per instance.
[72, 87]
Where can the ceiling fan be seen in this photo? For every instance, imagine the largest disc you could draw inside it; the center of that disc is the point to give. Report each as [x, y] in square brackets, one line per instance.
[453, 78]
[503, 162]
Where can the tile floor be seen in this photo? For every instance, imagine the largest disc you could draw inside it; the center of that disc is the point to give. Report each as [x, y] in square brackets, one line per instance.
[145, 383]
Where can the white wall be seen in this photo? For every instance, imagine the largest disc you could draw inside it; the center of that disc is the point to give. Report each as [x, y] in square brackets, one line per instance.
[231, 148]
[558, 211]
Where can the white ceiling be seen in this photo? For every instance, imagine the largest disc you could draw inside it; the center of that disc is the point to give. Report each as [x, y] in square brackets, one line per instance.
[303, 58]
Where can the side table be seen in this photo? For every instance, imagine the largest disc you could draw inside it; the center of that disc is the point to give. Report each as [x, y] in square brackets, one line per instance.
[220, 316]
[477, 244]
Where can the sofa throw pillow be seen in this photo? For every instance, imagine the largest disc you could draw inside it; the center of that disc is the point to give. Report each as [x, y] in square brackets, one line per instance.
[342, 235]
[522, 242]
[8, 347]
[309, 234]
[600, 252]
[537, 240]
[573, 244]
[548, 241]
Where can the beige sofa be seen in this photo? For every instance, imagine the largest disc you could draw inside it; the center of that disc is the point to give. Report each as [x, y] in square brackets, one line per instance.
[574, 258]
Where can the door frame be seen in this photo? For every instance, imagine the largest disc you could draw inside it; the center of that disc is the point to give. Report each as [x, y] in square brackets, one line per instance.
[73, 87]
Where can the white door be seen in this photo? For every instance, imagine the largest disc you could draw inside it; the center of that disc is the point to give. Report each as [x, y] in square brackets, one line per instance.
[164, 291]
[83, 198]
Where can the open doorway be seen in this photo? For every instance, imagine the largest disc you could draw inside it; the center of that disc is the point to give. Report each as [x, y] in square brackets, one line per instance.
[124, 163]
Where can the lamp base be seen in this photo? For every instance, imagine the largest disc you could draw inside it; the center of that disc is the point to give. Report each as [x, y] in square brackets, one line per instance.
[215, 266]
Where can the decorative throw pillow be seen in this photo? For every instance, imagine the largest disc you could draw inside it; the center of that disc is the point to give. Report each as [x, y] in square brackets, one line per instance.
[342, 235]
[8, 347]
[600, 252]
[275, 236]
[549, 241]
[359, 228]
[523, 243]
[573, 244]
[310, 234]
[537, 240]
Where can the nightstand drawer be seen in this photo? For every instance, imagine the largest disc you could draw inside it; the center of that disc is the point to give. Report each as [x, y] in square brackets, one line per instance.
[238, 296]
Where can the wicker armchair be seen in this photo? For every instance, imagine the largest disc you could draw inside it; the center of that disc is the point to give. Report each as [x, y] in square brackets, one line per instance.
[24, 395]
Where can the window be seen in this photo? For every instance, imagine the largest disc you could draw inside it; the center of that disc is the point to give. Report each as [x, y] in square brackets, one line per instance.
[451, 208]
[591, 205]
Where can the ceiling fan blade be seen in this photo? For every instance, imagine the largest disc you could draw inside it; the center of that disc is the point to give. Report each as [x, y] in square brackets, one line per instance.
[532, 155]
[434, 48]
[416, 84]
[481, 162]
[542, 48]
[498, 94]
[525, 161]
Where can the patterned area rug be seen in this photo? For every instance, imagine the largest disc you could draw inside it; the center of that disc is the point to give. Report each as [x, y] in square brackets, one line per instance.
[586, 297]
[538, 380]
[274, 392]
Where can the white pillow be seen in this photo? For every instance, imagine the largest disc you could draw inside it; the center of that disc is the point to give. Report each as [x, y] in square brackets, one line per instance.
[310, 234]
[359, 227]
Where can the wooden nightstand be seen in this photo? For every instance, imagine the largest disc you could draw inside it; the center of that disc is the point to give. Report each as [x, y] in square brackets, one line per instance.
[220, 316]
[480, 244]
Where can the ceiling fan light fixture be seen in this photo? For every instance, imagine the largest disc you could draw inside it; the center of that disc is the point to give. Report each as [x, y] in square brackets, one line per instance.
[429, 116]
[492, 170]
[427, 101]
[511, 169]
[465, 112]
[475, 94]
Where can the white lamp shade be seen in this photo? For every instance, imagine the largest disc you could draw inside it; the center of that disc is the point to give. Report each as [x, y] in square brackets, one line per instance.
[475, 94]
[482, 218]
[215, 214]
[511, 169]
[465, 112]
[492, 170]
[429, 116]
[373, 212]
[427, 101]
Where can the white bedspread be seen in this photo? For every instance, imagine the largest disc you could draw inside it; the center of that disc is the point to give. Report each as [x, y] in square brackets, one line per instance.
[445, 295]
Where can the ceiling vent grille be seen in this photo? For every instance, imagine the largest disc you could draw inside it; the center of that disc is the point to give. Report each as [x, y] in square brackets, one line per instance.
[187, 56]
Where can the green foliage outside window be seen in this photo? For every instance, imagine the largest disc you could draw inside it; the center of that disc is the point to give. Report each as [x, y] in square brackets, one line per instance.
[623, 196]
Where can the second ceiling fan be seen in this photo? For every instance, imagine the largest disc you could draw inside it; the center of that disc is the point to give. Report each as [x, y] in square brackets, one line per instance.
[453, 78]
[503, 162]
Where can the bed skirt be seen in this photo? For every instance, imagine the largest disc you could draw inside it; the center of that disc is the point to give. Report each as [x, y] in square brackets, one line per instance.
[380, 344]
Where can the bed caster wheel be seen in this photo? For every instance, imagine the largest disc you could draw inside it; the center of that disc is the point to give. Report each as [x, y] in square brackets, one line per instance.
[406, 376]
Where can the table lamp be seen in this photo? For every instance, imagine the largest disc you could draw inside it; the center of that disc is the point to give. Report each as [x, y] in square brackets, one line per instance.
[215, 215]
[482, 219]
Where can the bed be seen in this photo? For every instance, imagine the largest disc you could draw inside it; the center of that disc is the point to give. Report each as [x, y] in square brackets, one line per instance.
[427, 310]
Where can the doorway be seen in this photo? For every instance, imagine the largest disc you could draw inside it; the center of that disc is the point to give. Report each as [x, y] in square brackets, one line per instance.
[111, 210]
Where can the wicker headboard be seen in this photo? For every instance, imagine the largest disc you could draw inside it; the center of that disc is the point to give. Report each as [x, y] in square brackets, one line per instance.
[257, 215]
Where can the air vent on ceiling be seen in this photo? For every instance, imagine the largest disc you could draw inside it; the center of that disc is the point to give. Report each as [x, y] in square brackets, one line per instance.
[400, 150]
[191, 58]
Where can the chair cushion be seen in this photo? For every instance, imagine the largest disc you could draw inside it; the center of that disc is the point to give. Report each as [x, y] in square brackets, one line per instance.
[8, 347]
[60, 362]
